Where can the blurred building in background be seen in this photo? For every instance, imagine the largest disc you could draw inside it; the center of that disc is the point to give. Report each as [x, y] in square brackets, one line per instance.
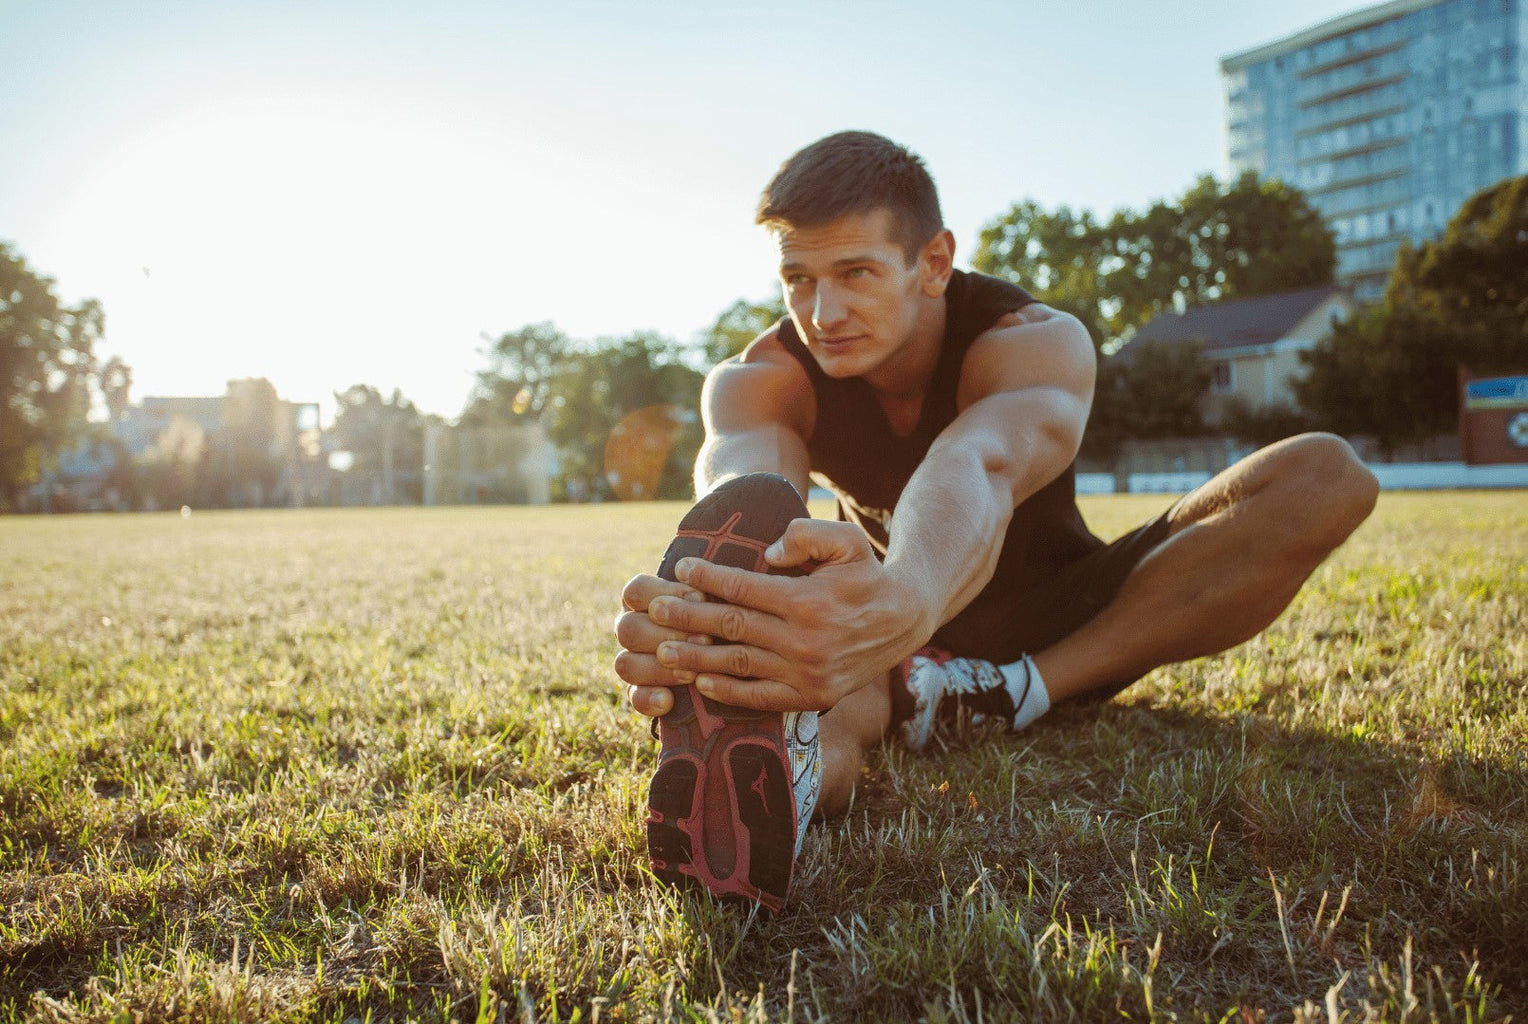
[1252, 346]
[1388, 118]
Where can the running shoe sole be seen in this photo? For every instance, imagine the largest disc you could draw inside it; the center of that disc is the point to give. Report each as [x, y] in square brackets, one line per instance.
[721, 808]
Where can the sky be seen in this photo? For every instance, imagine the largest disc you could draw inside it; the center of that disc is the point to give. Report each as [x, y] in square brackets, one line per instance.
[332, 192]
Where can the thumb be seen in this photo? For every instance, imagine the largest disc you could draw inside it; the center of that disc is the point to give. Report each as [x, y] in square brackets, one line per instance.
[817, 542]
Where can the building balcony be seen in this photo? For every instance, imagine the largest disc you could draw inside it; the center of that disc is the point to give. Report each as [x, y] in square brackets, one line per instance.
[1360, 106]
[1338, 184]
[1312, 98]
[1359, 149]
[1343, 121]
[1351, 57]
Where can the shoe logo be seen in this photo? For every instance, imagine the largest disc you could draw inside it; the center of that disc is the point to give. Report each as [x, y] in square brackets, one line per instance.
[758, 787]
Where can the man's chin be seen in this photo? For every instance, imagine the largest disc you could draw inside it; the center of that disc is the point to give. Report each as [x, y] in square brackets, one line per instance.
[839, 365]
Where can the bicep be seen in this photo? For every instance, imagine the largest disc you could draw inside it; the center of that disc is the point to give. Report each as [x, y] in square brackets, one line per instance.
[1025, 391]
[754, 420]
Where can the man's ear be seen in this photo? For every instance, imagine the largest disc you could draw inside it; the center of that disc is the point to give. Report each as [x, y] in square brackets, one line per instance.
[936, 263]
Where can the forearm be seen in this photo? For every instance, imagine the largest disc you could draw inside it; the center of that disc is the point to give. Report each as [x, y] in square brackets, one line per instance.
[946, 534]
[766, 449]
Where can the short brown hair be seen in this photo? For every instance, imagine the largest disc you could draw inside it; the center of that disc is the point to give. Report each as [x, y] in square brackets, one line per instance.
[854, 173]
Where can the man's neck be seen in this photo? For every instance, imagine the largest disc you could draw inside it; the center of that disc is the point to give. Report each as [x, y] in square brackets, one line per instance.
[906, 375]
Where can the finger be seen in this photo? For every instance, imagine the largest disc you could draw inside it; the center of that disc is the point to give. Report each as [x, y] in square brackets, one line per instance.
[640, 591]
[728, 622]
[736, 586]
[644, 670]
[637, 631]
[819, 541]
[651, 701]
[740, 660]
[759, 694]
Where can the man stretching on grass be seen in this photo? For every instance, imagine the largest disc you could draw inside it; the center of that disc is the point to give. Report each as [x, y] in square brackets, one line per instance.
[944, 410]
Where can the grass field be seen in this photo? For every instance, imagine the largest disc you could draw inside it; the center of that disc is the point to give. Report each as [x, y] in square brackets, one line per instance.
[342, 765]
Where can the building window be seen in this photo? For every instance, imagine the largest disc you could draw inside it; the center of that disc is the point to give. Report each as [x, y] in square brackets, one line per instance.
[1222, 376]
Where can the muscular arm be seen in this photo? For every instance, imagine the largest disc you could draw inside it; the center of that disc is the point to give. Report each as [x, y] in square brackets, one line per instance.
[1024, 394]
[758, 410]
[1025, 390]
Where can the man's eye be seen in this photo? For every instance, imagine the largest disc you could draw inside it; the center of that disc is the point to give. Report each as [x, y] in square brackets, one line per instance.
[857, 272]
[796, 280]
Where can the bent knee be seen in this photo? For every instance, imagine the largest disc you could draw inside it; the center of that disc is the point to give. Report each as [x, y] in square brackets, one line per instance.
[1340, 489]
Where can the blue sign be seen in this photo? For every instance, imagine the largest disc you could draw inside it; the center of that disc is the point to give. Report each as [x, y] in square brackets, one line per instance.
[1497, 393]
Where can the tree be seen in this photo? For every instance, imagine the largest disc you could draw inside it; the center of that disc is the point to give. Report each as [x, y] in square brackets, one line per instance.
[1064, 258]
[1389, 373]
[599, 388]
[1475, 279]
[1250, 238]
[115, 380]
[385, 439]
[1460, 300]
[522, 365]
[1153, 391]
[739, 324]
[47, 359]
[1215, 242]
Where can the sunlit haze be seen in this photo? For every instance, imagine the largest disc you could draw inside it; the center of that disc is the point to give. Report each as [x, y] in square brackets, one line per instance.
[331, 193]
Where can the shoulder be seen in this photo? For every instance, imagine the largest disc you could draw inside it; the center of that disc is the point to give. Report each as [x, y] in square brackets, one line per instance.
[984, 292]
[1032, 346]
[764, 383]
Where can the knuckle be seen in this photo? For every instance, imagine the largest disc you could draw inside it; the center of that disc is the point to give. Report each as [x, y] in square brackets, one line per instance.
[677, 615]
[732, 624]
[738, 661]
[733, 588]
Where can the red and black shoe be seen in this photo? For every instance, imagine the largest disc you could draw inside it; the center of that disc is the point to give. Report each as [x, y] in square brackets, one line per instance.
[723, 805]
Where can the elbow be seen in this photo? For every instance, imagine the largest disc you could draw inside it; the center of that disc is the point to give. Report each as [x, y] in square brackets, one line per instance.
[1027, 463]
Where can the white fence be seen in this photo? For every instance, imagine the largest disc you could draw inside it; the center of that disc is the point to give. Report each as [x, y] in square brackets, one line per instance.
[1413, 476]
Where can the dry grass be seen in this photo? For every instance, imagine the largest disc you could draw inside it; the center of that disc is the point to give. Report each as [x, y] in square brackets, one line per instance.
[372, 765]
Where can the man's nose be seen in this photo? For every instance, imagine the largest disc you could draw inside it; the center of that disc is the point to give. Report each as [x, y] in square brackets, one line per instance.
[828, 309]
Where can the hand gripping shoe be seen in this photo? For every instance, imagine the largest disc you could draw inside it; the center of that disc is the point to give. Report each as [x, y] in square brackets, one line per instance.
[734, 788]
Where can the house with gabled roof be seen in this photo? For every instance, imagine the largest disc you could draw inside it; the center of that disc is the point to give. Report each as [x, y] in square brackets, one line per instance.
[1252, 345]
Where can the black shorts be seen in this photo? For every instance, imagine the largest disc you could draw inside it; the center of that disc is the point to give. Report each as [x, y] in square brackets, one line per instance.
[1002, 628]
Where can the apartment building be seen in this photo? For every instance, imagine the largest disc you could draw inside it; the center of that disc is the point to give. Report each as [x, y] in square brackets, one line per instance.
[1388, 119]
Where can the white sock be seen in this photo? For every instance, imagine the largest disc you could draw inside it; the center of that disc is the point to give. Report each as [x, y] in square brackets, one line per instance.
[1026, 689]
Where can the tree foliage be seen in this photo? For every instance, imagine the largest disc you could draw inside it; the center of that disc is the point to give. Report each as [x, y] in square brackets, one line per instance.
[1153, 391]
[1459, 300]
[47, 367]
[600, 387]
[631, 399]
[1475, 279]
[523, 365]
[1215, 242]
[739, 324]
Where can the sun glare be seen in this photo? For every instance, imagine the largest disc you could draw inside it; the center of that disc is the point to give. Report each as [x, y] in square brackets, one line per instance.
[322, 241]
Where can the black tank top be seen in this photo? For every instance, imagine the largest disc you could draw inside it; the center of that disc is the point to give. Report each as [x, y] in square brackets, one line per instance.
[856, 454]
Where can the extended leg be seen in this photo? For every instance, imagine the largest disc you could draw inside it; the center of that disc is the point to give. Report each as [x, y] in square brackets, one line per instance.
[1239, 549]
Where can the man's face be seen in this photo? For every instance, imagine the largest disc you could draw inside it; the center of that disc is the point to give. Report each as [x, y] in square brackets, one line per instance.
[850, 291]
